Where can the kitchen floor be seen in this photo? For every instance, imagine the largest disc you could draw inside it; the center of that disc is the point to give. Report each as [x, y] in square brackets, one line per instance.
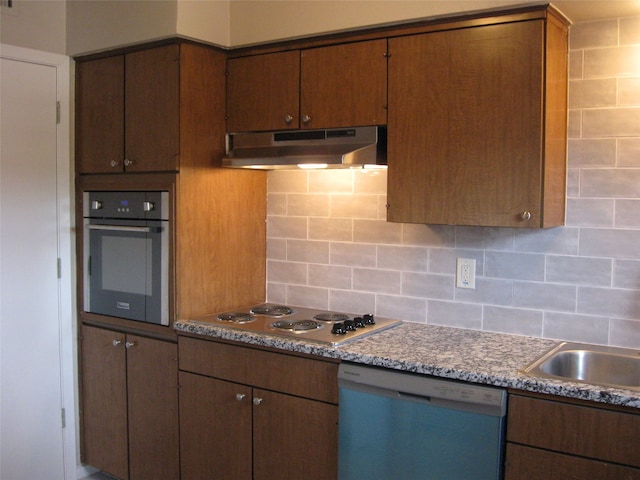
[98, 476]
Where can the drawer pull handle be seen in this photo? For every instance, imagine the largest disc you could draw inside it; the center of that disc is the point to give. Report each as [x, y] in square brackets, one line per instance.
[240, 396]
[257, 401]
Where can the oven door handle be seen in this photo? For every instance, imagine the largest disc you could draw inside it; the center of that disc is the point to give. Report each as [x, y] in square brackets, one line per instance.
[122, 228]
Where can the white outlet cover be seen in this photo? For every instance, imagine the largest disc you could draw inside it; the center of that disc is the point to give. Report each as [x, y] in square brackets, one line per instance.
[466, 273]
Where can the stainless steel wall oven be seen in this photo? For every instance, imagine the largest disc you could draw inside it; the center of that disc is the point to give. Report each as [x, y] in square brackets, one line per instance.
[126, 254]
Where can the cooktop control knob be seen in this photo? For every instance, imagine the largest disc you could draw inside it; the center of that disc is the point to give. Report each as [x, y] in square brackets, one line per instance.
[349, 325]
[338, 329]
[368, 319]
[359, 321]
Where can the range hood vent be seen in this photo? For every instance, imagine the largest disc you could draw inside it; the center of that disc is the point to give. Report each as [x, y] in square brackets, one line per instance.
[333, 148]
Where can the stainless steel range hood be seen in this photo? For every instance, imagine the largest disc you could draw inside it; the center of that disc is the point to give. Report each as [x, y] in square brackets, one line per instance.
[330, 148]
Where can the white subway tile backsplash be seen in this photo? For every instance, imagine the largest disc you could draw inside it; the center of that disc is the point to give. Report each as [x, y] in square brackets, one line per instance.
[428, 235]
[517, 266]
[488, 291]
[601, 33]
[600, 92]
[629, 152]
[426, 285]
[626, 274]
[610, 182]
[329, 276]
[590, 212]
[596, 242]
[576, 328]
[624, 333]
[353, 254]
[307, 205]
[311, 297]
[352, 301]
[627, 213]
[579, 270]
[329, 246]
[592, 152]
[377, 281]
[549, 240]
[407, 259]
[516, 321]
[411, 309]
[452, 314]
[609, 302]
[332, 229]
[544, 296]
[307, 251]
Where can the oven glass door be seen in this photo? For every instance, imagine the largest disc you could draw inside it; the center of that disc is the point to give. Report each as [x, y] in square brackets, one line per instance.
[127, 270]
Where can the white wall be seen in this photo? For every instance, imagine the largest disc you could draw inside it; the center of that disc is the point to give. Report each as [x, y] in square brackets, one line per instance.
[36, 24]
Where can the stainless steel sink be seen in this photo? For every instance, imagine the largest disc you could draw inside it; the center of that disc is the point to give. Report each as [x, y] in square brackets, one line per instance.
[594, 364]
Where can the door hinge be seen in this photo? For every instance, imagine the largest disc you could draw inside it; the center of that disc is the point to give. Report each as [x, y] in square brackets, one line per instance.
[57, 113]
[59, 266]
[64, 418]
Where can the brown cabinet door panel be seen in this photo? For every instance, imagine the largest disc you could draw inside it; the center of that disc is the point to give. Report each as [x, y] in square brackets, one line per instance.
[534, 464]
[465, 125]
[215, 425]
[344, 85]
[294, 438]
[580, 430]
[152, 379]
[99, 115]
[152, 113]
[263, 91]
[104, 401]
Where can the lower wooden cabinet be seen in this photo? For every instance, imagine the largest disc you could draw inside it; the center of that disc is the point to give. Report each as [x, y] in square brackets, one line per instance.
[244, 429]
[129, 405]
[551, 439]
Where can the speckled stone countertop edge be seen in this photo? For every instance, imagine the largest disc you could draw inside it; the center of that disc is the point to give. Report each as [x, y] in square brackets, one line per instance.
[468, 355]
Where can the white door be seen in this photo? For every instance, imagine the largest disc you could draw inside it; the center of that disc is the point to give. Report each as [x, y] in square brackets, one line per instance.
[32, 438]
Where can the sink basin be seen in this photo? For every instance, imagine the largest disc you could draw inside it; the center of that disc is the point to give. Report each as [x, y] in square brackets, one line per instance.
[594, 364]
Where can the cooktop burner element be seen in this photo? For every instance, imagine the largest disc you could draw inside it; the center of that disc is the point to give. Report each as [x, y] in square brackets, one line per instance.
[236, 317]
[330, 328]
[331, 317]
[272, 310]
[296, 325]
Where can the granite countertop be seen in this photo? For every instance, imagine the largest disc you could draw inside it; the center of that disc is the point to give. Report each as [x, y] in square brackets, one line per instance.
[468, 355]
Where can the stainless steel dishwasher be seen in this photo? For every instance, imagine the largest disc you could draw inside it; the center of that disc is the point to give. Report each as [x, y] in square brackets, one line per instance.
[402, 426]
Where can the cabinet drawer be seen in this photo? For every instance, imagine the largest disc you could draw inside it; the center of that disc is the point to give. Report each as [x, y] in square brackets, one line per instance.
[284, 373]
[597, 433]
[535, 464]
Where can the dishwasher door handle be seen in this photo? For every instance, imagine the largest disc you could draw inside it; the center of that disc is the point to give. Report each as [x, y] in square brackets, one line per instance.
[412, 397]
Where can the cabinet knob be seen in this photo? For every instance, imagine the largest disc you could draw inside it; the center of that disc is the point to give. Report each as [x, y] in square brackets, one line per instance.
[306, 119]
[526, 216]
[130, 344]
[240, 396]
[288, 118]
[116, 342]
[114, 164]
[127, 162]
[257, 401]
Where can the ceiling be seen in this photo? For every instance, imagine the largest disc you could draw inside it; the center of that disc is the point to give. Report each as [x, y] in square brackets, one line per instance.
[586, 10]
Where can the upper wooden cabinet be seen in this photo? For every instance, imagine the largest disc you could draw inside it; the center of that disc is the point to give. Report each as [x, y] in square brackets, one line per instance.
[128, 111]
[477, 124]
[341, 85]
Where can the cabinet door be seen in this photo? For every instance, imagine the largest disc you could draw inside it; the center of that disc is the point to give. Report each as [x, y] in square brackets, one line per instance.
[152, 380]
[263, 92]
[100, 115]
[536, 464]
[344, 85]
[294, 438]
[104, 401]
[152, 113]
[215, 429]
[465, 125]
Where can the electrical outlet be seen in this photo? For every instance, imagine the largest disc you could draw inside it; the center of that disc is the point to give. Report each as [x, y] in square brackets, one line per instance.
[466, 273]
